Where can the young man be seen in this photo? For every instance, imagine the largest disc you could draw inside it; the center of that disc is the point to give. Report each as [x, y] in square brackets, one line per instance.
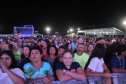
[118, 63]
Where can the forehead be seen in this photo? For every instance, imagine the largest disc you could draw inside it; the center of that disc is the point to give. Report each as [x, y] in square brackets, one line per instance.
[25, 47]
[67, 54]
[52, 48]
[43, 41]
[80, 45]
[90, 45]
[5, 55]
[35, 50]
[61, 49]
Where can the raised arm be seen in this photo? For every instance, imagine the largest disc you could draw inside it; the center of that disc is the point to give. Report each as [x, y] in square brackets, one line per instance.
[15, 78]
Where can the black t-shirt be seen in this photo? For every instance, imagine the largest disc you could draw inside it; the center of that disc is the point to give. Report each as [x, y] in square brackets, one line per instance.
[73, 68]
[56, 61]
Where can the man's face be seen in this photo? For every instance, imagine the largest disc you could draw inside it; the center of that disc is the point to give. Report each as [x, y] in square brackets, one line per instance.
[74, 40]
[26, 40]
[80, 49]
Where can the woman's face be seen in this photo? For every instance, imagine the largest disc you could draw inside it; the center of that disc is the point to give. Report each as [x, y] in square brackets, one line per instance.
[26, 51]
[6, 59]
[69, 46]
[90, 47]
[52, 51]
[67, 59]
[44, 44]
[55, 42]
[4, 45]
[35, 55]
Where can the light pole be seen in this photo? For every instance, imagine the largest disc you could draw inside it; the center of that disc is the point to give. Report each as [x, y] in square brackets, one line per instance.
[48, 30]
[71, 30]
[68, 32]
[125, 27]
[77, 31]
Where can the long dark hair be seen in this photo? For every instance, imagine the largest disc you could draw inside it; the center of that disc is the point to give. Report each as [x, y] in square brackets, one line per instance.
[67, 45]
[99, 51]
[10, 53]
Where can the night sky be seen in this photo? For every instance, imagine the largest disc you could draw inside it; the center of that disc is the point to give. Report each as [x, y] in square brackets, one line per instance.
[61, 15]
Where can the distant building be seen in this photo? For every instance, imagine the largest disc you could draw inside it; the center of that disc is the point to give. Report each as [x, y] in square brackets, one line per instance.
[107, 32]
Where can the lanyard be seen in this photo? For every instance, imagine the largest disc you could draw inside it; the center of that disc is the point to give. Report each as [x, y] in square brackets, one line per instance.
[120, 63]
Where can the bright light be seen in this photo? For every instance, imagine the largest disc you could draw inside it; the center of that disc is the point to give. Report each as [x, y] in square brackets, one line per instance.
[124, 22]
[68, 31]
[48, 29]
[78, 28]
[71, 30]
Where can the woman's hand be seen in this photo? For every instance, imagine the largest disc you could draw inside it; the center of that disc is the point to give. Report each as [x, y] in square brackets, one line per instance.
[46, 80]
[4, 66]
[108, 75]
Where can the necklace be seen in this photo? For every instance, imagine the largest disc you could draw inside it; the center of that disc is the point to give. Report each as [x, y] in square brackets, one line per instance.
[120, 63]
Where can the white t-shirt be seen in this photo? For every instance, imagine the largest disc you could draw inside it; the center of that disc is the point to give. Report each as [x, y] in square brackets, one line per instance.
[5, 79]
[96, 65]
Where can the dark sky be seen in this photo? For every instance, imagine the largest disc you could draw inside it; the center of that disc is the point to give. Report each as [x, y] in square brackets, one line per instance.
[61, 15]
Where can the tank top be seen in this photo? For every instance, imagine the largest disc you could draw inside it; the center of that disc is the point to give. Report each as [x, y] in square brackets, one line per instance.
[17, 55]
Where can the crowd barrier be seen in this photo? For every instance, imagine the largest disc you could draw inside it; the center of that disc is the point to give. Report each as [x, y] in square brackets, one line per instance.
[74, 81]
[117, 78]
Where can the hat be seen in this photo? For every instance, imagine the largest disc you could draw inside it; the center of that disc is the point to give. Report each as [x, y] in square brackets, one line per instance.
[98, 39]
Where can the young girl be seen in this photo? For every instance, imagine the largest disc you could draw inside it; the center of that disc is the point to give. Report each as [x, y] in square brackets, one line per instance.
[96, 65]
[68, 70]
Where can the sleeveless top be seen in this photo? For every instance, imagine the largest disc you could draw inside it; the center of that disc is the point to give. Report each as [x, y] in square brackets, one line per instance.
[17, 55]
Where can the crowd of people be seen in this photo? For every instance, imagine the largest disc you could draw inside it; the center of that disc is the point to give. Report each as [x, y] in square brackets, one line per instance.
[46, 59]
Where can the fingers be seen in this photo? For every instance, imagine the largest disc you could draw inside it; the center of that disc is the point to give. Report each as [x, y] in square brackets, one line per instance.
[45, 80]
[108, 75]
